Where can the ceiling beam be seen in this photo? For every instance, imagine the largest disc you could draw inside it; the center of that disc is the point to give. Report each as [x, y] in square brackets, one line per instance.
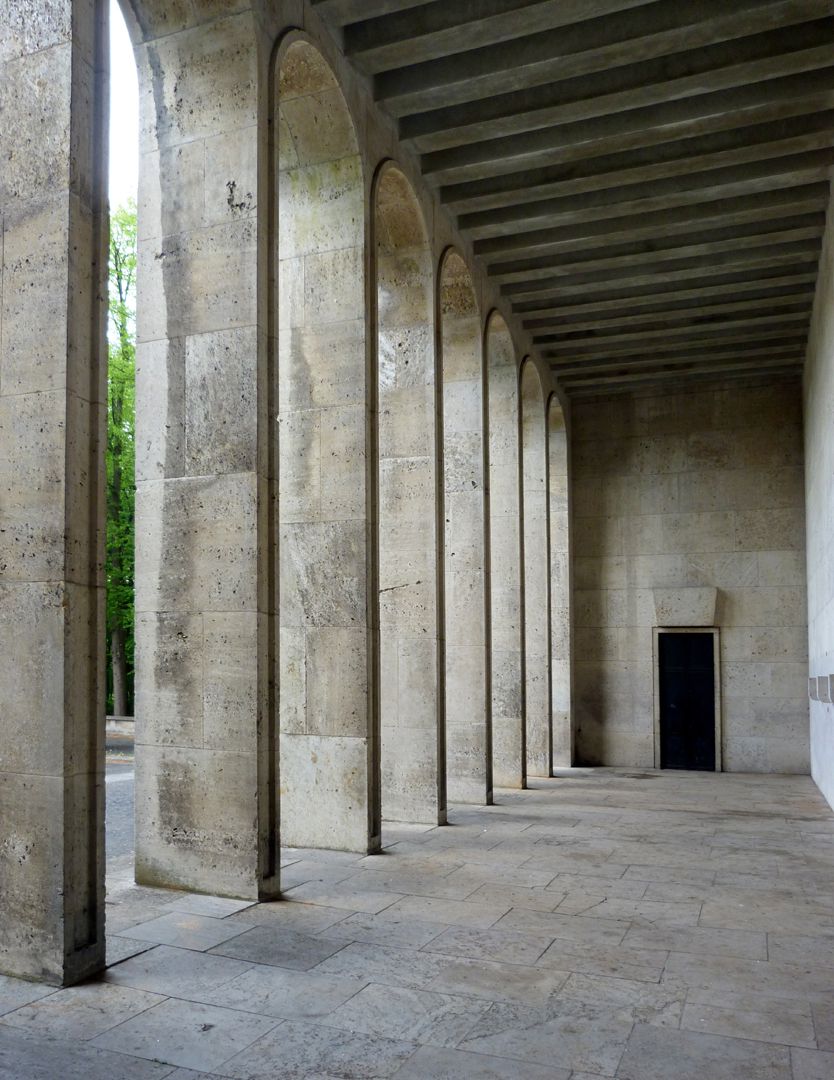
[718, 66]
[792, 353]
[708, 241]
[694, 375]
[687, 189]
[692, 329]
[656, 315]
[603, 299]
[437, 29]
[709, 114]
[757, 207]
[783, 255]
[778, 336]
[593, 45]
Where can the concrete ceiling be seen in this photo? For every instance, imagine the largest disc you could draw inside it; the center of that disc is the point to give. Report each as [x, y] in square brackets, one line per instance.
[646, 182]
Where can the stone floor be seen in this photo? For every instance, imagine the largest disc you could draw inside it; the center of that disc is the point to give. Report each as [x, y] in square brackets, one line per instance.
[648, 926]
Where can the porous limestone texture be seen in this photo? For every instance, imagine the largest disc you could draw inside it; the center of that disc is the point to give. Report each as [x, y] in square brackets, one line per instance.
[328, 794]
[468, 726]
[206, 761]
[411, 691]
[53, 239]
[819, 498]
[536, 573]
[560, 590]
[698, 488]
[509, 754]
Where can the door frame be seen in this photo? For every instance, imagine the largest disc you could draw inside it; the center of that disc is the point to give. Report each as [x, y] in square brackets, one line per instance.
[716, 669]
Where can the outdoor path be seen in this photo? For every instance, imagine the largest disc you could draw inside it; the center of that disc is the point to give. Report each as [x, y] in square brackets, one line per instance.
[643, 925]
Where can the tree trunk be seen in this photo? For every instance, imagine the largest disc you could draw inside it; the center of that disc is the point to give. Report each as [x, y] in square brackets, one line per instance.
[119, 660]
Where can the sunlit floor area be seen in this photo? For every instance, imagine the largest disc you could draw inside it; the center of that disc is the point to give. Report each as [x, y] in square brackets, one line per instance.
[647, 926]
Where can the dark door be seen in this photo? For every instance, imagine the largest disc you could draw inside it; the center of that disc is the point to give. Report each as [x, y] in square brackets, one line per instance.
[687, 701]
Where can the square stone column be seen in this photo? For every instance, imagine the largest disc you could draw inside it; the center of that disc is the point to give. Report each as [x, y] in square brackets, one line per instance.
[206, 759]
[53, 95]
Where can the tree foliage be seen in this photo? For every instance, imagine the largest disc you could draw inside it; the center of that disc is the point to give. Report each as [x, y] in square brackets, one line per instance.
[121, 456]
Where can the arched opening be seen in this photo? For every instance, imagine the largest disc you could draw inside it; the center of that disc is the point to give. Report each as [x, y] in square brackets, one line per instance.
[560, 585]
[411, 689]
[327, 795]
[536, 574]
[505, 533]
[468, 727]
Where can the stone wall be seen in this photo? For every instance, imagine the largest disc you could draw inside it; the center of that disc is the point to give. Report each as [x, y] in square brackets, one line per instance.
[819, 494]
[680, 490]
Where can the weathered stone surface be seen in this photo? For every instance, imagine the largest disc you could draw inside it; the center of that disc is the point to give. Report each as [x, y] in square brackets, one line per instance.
[536, 574]
[506, 664]
[653, 554]
[468, 708]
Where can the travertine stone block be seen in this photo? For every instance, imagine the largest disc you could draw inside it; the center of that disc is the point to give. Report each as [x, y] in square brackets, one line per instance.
[411, 703]
[52, 380]
[506, 610]
[206, 805]
[561, 723]
[685, 607]
[689, 511]
[468, 708]
[329, 791]
[536, 574]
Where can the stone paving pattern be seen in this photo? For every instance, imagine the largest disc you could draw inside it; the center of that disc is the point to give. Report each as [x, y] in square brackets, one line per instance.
[645, 926]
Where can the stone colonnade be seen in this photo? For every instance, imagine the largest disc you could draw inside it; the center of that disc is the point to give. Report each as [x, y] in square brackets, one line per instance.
[352, 529]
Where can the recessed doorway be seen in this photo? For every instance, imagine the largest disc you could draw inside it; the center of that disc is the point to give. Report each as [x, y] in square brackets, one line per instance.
[687, 700]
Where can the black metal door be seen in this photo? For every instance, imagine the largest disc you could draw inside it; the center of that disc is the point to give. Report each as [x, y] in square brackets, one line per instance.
[687, 701]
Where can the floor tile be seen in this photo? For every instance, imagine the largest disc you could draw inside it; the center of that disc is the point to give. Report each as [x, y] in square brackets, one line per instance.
[812, 1065]
[390, 967]
[283, 948]
[413, 1015]
[500, 982]
[765, 1024]
[17, 992]
[184, 931]
[175, 972]
[567, 927]
[340, 895]
[647, 1003]
[288, 995]
[573, 1035]
[186, 1033]
[217, 907]
[295, 1051]
[434, 1063]
[451, 912]
[309, 918]
[25, 1056]
[642, 965]
[656, 1054]
[701, 940]
[82, 1012]
[386, 928]
[503, 945]
[119, 948]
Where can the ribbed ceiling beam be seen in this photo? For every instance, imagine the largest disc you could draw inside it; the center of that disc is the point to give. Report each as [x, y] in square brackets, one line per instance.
[644, 181]
[721, 66]
[436, 29]
[593, 45]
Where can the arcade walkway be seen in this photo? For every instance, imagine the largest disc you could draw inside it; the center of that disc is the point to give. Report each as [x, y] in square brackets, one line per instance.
[648, 926]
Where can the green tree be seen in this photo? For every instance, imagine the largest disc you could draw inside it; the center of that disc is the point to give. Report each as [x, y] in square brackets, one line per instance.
[121, 459]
